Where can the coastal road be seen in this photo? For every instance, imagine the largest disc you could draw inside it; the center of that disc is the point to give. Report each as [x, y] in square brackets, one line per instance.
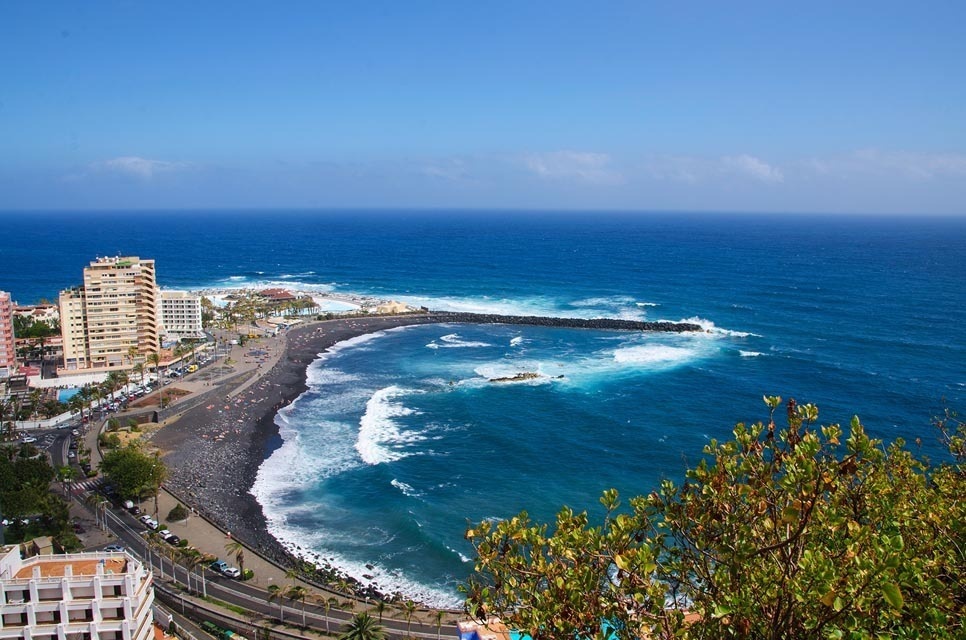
[251, 598]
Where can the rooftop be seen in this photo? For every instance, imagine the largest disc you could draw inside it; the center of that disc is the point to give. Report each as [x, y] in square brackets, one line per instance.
[79, 567]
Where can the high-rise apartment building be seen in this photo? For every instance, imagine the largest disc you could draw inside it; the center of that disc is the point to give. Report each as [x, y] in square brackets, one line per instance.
[115, 309]
[8, 352]
[83, 596]
[181, 315]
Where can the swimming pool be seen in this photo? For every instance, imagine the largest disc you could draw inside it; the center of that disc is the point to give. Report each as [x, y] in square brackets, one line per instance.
[66, 394]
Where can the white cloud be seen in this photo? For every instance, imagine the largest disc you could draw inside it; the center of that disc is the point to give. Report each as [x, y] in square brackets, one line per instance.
[585, 166]
[910, 165]
[697, 169]
[752, 167]
[136, 166]
[452, 169]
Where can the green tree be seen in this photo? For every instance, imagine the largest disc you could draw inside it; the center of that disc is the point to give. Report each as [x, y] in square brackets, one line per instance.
[795, 533]
[154, 359]
[238, 549]
[275, 593]
[362, 627]
[133, 472]
[409, 610]
[298, 593]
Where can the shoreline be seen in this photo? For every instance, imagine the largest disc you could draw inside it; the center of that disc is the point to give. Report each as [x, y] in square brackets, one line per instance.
[214, 450]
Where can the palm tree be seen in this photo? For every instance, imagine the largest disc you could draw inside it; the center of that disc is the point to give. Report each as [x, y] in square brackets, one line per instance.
[138, 369]
[409, 608]
[66, 475]
[363, 627]
[238, 549]
[327, 604]
[297, 593]
[155, 359]
[438, 617]
[275, 593]
[380, 607]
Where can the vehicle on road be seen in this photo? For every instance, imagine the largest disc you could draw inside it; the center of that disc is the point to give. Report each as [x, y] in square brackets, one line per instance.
[231, 572]
[114, 548]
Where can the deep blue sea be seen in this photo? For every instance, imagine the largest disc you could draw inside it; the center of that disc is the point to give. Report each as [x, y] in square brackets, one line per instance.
[401, 439]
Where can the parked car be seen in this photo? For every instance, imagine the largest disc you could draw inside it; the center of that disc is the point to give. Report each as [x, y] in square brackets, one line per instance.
[173, 540]
[164, 533]
[232, 572]
[219, 566]
[114, 548]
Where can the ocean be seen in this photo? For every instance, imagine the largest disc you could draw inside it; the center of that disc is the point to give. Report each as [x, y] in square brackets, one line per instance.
[402, 439]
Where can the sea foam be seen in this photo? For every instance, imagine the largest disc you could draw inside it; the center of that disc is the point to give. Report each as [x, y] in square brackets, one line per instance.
[380, 437]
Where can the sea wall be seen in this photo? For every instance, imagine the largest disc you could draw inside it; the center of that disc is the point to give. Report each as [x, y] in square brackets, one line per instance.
[572, 323]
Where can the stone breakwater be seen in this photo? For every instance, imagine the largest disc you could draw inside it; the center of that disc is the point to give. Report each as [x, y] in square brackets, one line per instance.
[570, 323]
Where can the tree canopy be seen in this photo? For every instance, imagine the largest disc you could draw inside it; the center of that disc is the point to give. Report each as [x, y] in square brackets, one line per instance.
[133, 472]
[808, 531]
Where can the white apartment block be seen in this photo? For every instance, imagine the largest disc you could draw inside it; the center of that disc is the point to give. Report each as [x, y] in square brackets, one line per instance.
[81, 596]
[8, 352]
[180, 316]
[116, 309]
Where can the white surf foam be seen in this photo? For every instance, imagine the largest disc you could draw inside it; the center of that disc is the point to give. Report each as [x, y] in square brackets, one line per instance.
[710, 328]
[453, 341]
[517, 341]
[380, 438]
[750, 354]
[654, 354]
[405, 489]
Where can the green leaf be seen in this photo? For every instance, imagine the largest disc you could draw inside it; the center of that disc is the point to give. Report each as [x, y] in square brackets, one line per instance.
[892, 594]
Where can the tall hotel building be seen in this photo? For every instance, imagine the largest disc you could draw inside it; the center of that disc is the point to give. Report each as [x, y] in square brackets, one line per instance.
[81, 596]
[114, 310]
[8, 353]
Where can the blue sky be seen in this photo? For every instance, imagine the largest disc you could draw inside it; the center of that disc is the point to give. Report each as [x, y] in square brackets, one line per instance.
[744, 106]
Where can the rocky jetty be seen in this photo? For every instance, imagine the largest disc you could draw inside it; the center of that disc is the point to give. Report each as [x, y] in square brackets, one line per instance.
[571, 323]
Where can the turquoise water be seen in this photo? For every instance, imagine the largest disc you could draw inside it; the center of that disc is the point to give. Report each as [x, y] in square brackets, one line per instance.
[63, 395]
[401, 439]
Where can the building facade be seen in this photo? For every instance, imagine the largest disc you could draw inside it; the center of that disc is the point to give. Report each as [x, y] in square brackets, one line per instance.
[81, 596]
[8, 351]
[180, 315]
[114, 313]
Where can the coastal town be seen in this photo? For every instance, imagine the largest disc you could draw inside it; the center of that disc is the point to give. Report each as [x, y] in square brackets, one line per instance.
[187, 382]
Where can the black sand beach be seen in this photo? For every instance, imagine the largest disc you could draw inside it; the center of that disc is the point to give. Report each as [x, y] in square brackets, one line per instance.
[213, 451]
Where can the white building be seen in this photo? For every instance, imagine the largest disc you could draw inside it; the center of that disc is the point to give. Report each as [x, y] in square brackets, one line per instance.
[180, 315]
[82, 596]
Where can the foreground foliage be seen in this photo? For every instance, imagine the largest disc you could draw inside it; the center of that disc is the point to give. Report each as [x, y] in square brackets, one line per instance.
[804, 532]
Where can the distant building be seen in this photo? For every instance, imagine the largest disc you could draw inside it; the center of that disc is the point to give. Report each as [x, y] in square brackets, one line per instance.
[8, 351]
[114, 311]
[82, 596]
[49, 314]
[180, 316]
[277, 295]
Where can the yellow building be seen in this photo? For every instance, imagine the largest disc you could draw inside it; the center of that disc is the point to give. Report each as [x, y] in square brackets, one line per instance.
[114, 311]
